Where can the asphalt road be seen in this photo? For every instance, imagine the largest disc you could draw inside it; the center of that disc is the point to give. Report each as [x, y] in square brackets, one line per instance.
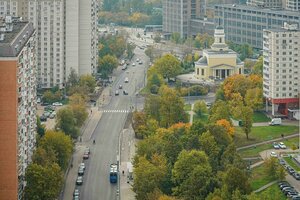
[96, 184]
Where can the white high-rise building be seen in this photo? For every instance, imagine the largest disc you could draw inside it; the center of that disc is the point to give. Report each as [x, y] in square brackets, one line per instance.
[66, 36]
[281, 69]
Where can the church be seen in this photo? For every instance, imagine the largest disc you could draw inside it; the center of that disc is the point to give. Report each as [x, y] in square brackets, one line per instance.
[219, 62]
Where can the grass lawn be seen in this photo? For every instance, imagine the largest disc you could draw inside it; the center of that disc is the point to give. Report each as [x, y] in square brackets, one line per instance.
[187, 107]
[291, 162]
[262, 133]
[273, 192]
[260, 117]
[259, 178]
[254, 152]
[203, 118]
[144, 91]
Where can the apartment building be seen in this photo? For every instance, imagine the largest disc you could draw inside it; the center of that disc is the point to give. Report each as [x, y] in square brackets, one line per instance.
[66, 36]
[281, 70]
[293, 5]
[245, 24]
[17, 104]
[177, 15]
[266, 3]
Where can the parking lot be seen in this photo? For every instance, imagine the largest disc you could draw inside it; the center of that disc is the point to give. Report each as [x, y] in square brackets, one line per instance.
[50, 123]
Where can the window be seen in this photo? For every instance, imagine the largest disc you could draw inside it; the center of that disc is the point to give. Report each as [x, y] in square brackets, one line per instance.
[202, 72]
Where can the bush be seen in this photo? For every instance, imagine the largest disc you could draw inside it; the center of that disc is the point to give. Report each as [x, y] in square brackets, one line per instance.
[154, 89]
[197, 90]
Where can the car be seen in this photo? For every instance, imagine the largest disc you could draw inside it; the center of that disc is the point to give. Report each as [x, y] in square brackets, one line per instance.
[125, 92]
[87, 150]
[273, 154]
[47, 114]
[141, 62]
[124, 67]
[126, 80]
[137, 60]
[117, 93]
[57, 104]
[284, 186]
[76, 198]
[52, 115]
[281, 161]
[38, 100]
[120, 86]
[296, 197]
[76, 193]
[133, 64]
[80, 171]
[282, 145]
[45, 104]
[43, 118]
[49, 108]
[79, 180]
[291, 171]
[82, 165]
[292, 193]
[296, 176]
[275, 145]
[287, 190]
[86, 156]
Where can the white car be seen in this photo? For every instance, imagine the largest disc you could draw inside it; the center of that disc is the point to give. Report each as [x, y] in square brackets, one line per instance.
[137, 60]
[57, 104]
[126, 80]
[273, 154]
[79, 180]
[82, 165]
[282, 145]
[133, 64]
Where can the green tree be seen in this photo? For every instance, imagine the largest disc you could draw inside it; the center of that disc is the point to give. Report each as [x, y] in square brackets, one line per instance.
[40, 128]
[168, 66]
[88, 81]
[60, 144]
[65, 121]
[73, 78]
[150, 53]
[258, 66]
[200, 108]
[171, 107]
[43, 182]
[176, 38]
[148, 175]
[157, 38]
[48, 97]
[80, 114]
[43, 157]
[254, 98]
[219, 110]
[152, 107]
[192, 175]
[247, 119]
[106, 65]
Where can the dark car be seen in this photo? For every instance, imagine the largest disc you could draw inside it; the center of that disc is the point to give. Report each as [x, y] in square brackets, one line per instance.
[291, 171]
[292, 193]
[45, 104]
[43, 118]
[80, 171]
[125, 92]
[288, 190]
[296, 176]
[296, 198]
[281, 161]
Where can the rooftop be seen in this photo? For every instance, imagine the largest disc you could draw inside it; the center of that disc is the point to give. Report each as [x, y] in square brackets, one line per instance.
[262, 10]
[14, 39]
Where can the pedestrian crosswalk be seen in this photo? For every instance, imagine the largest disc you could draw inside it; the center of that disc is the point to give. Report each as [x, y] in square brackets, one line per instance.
[115, 111]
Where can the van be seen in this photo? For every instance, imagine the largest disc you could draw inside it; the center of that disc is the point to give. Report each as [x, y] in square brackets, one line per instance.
[275, 121]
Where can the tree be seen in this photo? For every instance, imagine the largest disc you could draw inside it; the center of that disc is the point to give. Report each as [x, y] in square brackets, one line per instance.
[106, 65]
[88, 81]
[219, 110]
[148, 175]
[274, 169]
[192, 175]
[73, 78]
[60, 144]
[258, 66]
[138, 121]
[157, 38]
[175, 37]
[236, 84]
[168, 66]
[228, 127]
[246, 116]
[40, 128]
[48, 97]
[155, 80]
[236, 179]
[254, 98]
[200, 108]
[43, 182]
[65, 121]
[152, 107]
[43, 157]
[171, 107]
[138, 18]
[80, 114]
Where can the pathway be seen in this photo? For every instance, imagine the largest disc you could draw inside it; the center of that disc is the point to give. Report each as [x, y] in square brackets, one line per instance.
[191, 113]
[265, 187]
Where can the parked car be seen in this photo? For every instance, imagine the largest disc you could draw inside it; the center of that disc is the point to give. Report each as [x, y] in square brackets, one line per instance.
[292, 193]
[43, 118]
[282, 162]
[47, 114]
[282, 145]
[275, 145]
[291, 171]
[82, 165]
[45, 104]
[273, 154]
[296, 197]
[133, 64]
[79, 180]
[125, 92]
[76, 198]
[137, 60]
[38, 100]
[117, 93]
[287, 190]
[120, 86]
[126, 80]
[86, 156]
[80, 171]
[52, 115]
[57, 104]
[141, 62]
[76, 193]
[87, 150]
[296, 176]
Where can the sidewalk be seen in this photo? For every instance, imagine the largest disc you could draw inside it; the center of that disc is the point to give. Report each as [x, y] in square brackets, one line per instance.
[86, 135]
[265, 187]
[191, 113]
[127, 148]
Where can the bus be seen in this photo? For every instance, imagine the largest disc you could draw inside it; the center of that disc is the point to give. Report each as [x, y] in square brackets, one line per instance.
[113, 173]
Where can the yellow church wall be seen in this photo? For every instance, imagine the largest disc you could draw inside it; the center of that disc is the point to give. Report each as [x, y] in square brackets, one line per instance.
[218, 61]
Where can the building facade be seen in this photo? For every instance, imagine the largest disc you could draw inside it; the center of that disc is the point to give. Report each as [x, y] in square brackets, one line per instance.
[293, 5]
[66, 36]
[17, 105]
[281, 71]
[245, 24]
[178, 13]
[219, 62]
